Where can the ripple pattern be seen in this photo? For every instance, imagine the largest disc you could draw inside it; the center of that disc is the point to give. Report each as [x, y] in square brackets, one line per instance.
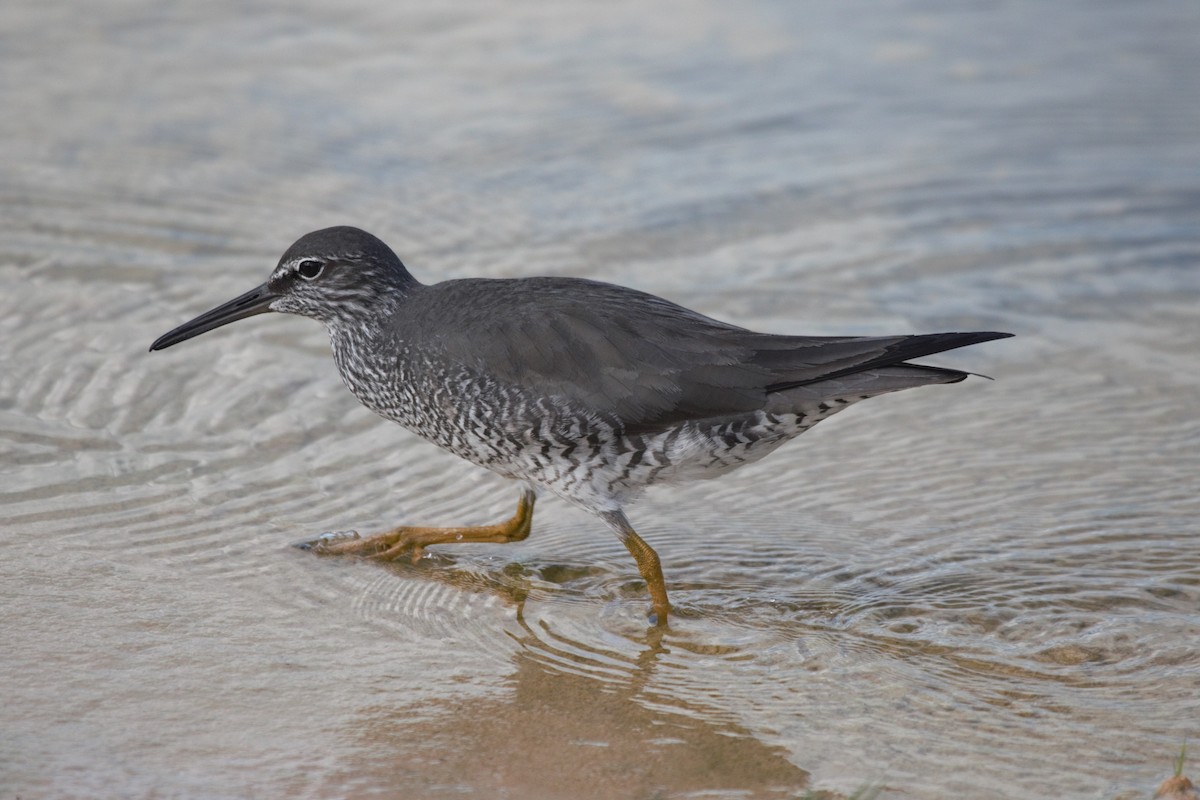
[984, 590]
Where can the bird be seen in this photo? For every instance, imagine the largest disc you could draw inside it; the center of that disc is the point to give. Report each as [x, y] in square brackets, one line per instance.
[585, 389]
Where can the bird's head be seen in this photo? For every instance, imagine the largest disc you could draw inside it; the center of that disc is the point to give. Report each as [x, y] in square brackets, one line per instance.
[334, 275]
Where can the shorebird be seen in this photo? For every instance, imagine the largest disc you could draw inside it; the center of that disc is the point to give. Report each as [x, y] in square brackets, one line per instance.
[589, 390]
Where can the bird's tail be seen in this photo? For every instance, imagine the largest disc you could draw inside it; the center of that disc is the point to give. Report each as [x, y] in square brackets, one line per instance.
[846, 389]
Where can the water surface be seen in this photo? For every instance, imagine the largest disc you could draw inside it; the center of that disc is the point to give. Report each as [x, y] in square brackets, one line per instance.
[990, 589]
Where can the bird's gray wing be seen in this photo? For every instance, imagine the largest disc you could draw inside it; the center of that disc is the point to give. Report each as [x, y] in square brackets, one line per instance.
[641, 360]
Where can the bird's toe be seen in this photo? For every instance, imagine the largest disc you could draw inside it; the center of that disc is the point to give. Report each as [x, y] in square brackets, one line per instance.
[321, 542]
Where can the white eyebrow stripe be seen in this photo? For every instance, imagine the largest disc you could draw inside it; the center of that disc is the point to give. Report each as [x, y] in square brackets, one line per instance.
[283, 270]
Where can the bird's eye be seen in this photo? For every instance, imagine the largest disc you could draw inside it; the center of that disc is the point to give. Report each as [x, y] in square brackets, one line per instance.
[309, 269]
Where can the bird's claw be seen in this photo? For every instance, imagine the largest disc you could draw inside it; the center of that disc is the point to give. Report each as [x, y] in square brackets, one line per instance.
[322, 541]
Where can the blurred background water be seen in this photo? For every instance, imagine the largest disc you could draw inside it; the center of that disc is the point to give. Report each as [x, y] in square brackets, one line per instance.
[985, 590]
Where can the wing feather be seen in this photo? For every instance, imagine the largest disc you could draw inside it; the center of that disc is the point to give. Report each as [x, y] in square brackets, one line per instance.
[641, 360]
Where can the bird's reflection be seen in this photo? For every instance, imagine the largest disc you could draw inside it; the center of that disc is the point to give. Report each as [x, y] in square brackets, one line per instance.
[575, 716]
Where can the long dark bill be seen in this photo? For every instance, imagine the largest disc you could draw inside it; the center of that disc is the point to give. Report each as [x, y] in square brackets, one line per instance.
[255, 301]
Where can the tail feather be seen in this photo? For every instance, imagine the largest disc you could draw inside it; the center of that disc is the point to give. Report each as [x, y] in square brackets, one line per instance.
[853, 356]
[861, 385]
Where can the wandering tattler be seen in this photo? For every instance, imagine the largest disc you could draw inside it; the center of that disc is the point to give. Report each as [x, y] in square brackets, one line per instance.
[590, 390]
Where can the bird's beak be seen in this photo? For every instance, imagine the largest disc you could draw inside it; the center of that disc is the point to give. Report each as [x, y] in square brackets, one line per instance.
[255, 301]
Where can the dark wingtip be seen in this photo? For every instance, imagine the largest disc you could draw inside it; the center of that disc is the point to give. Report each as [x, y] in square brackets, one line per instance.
[927, 344]
[900, 351]
[956, 340]
[952, 341]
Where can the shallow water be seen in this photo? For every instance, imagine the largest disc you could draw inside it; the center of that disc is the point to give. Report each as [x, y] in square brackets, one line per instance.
[986, 590]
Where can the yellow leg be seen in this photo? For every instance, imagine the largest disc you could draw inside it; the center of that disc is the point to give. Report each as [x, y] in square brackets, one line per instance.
[648, 564]
[414, 539]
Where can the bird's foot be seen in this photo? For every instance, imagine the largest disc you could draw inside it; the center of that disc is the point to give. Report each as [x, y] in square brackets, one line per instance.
[385, 546]
[319, 542]
[659, 617]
